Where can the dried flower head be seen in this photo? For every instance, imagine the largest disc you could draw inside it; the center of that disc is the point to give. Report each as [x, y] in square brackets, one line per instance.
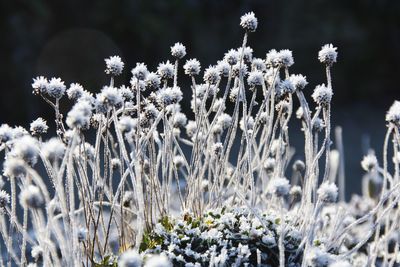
[165, 70]
[178, 50]
[140, 72]
[393, 114]
[75, 91]
[322, 95]
[56, 88]
[114, 65]
[327, 192]
[249, 22]
[39, 85]
[31, 197]
[279, 187]
[328, 54]
[192, 67]
[130, 258]
[39, 126]
[369, 162]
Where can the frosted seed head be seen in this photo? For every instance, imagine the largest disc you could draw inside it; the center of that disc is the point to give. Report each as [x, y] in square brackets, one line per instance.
[369, 162]
[27, 149]
[53, 149]
[318, 125]
[217, 148]
[393, 114]
[299, 81]
[239, 70]
[37, 253]
[255, 78]
[258, 64]
[192, 67]
[285, 58]
[140, 72]
[249, 22]
[152, 81]
[232, 57]
[224, 68]
[56, 88]
[165, 70]
[247, 54]
[39, 85]
[75, 91]
[269, 165]
[6, 133]
[299, 166]
[178, 50]
[327, 192]
[179, 120]
[272, 59]
[322, 95]
[31, 197]
[39, 127]
[130, 258]
[287, 87]
[328, 54]
[126, 93]
[279, 187]
[114, 65]
[179, 161]
[211, 75]
[191, 128]
[158, 261]
[14, 167]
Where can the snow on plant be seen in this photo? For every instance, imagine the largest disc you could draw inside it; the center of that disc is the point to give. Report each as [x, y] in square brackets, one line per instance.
[132, 180]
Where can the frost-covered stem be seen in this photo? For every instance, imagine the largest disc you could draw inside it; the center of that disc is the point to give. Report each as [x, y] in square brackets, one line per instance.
[282, 236]
[340, 147]
[13, 216]
[327, 119]
[176, 73]
[25, 228]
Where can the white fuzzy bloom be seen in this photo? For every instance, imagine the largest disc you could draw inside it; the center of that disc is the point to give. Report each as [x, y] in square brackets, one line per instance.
[273, 59]
[369, 162]
[114, 65]
[192, 67]
[269, 164]
[393, 114]
[212, 75]
[39, 126]
[287, 87]
[239, 70]
[328, 54]
[256, 78]
[285, 58]
[232, 57]
[126, 93]
[317, 258]
[170, 95]
[299, 81]
[250, 124]
[115, 163]
[165, 70]
[225, 120]
[14, 167]
[110, 96]
[27, 149]
[130, 258]
[56, 88]
[37, 252]
[327, 192]
[179, 120]
[6, 133]
[31, 197]
[153, 81]
[191, 128]
[224, 68]
[79, 116]
[217, 148]
[75, 91]
[126, 124]
[53, 149]
[158, 261]
[179, 161]
[249, 22]
[85, 151]
[178, 50]
[140, 72]
[247, 54]
[39, 85]
[322, 95]
[258, 64]
[4, 199]
[279, 187]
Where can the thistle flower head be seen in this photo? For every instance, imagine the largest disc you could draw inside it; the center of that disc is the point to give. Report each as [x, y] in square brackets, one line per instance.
[178, 50]
[232, 57]
[111, 97]
[279, 187]
[224, 68]
[165, 70]
[130, 258]
[249, 22]
[114, 65]
[192, 67]
[255, 78]
[56, 88]
[322, 95]
[75, 91]
[327, 192]
[31, 197]
[285, 58]
[39, 126]
[153, 81]
[53, 149]
[212, 75]
[39, 85]
[140, 72]
[369, 162]
[328, 54]
[258, 64]
[393, 114]
[299, 81]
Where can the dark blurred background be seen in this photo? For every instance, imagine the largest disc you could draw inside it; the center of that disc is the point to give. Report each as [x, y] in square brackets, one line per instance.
[70, 39]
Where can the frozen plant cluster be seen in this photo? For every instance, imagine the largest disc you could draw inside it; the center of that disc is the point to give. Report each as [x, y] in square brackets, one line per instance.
[131, 178]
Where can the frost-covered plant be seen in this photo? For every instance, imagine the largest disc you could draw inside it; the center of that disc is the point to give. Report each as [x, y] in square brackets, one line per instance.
[133, 179]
